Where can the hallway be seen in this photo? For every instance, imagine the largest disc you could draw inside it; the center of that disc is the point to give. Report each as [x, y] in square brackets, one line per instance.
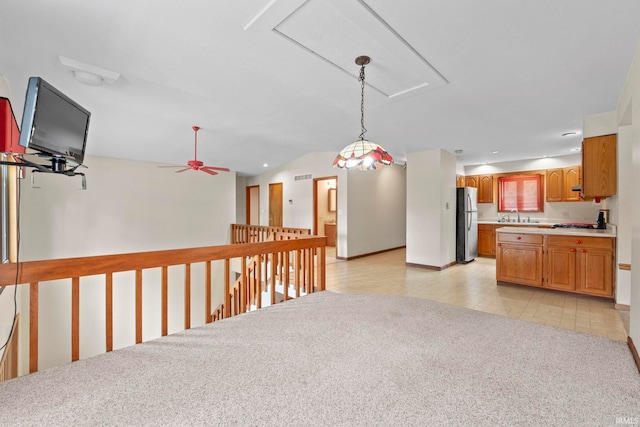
[473, 286]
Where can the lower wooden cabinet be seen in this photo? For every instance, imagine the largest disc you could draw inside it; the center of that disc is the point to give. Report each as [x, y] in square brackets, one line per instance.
[519, 258]
[575, 264]
[580, 264]
[486, 240]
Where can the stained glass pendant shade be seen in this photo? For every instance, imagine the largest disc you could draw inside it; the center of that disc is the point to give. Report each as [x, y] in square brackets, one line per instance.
[362, 154]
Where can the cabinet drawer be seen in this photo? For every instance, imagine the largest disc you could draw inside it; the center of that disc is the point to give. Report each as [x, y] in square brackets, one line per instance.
[579, 241]
[535, 239]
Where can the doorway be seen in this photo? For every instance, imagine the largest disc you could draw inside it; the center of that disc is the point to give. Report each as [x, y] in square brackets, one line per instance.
[325, 211]
[252, 216]
[275, 204]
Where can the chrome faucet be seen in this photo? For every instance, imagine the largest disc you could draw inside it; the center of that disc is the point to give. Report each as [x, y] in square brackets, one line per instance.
[517, 213]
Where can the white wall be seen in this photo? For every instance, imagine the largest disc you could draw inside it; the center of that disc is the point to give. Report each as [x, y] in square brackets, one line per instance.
[376, 210]
[555, 211]
[622, 214]
[364, 197]
[128, 206]
[431, 201]
[627, 115]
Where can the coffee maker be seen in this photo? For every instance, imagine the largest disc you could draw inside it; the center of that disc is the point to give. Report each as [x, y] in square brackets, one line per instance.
[602, 224]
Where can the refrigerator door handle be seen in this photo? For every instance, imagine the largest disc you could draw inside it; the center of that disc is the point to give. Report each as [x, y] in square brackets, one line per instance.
[469, 213]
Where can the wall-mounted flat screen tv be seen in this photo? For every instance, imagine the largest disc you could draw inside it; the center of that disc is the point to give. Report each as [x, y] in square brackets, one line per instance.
[52, 123]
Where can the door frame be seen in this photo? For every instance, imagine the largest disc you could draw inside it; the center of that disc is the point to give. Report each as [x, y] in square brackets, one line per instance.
[315, 205]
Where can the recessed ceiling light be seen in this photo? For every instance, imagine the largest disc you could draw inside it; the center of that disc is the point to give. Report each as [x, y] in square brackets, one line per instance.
[458, 151]
[495, 152]
[574, 149]
[265, 165]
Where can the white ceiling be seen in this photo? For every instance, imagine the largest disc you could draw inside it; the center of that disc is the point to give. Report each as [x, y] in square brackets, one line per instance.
[271, 80]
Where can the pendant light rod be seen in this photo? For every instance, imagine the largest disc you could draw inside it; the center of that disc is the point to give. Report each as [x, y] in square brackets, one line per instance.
[362, 61]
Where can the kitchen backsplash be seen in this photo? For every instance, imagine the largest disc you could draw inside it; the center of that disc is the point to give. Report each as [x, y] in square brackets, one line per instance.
[555, 212]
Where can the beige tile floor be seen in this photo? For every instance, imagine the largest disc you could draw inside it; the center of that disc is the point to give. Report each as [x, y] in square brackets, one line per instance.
[473, 286]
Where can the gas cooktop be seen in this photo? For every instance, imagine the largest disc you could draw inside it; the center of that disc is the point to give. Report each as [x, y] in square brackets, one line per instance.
[574, 225]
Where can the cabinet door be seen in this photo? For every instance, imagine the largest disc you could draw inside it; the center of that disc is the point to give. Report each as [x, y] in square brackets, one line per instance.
[486, 240]
[485, 189]
[471, 181]
[460, 181]
[599, 166]
[554, 185]
[561, 268]
[572, 176]
[519, 264]
[595, 271]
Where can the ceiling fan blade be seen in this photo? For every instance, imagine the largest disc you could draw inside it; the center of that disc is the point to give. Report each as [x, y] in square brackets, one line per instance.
[176, 166]
[185, 169]
[210, 172]
[217, 168]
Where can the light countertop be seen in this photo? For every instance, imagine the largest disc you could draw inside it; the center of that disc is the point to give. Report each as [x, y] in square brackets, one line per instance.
[609, 232]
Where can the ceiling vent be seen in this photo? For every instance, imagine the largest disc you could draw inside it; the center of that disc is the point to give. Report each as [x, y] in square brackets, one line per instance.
[302, 177]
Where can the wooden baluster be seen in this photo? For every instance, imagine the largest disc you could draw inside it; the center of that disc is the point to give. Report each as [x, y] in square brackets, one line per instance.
[207, 296]
[138, 306]
[108, 290]
[33, 326]
[227, 295]
[322, 266]
[75, 319]
[259, 281]
[187, 296]
[165, 300]
[274, 261]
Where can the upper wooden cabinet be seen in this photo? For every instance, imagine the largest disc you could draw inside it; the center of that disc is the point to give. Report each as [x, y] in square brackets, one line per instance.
[460, 181]
[471, 181]
[554, 184]
[484, 184]
[485, 189]
[559, 183]
[572, 177]
[599, 166]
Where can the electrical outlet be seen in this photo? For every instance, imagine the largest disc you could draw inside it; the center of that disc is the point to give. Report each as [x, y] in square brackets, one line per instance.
[565, 214]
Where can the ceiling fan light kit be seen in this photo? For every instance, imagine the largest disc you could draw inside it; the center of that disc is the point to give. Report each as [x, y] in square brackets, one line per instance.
[362, 154]
[196, 164]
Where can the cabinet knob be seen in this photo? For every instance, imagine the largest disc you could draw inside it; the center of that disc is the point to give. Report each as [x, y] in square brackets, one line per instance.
[578, 242]
[584, 251]
[499, 244]
[519, 238]
[573, 249]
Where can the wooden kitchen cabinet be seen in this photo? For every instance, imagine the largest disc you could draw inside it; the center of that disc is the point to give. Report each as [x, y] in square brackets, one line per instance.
[580, 264]
[460, 181]
[485, 189]
[572, 177]
[559, 183]
[554, 185]
[576, 264]
[471, 181]
[484, 184]
[486, 240]
[519, 258]
[599, 166]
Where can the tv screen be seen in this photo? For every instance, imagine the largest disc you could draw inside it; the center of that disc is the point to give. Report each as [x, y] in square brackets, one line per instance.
[52, 123]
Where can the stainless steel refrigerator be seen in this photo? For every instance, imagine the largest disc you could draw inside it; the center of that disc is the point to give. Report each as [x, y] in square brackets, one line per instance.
[466, 224]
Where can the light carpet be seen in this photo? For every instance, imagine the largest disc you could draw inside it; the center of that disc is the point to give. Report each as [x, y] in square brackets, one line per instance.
[342, 360]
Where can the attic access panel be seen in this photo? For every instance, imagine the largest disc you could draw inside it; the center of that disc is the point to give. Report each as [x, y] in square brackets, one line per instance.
[338, 31]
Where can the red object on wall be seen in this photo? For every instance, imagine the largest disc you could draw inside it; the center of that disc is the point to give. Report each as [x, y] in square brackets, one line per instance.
[9, 132]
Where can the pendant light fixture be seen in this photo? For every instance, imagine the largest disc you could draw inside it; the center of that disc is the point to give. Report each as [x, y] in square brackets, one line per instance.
[362, 154]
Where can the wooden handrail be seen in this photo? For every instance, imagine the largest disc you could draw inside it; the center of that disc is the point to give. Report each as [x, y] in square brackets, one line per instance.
[285, 244]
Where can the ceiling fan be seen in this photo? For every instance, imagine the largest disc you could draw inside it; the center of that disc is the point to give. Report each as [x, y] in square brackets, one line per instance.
[196, 164]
